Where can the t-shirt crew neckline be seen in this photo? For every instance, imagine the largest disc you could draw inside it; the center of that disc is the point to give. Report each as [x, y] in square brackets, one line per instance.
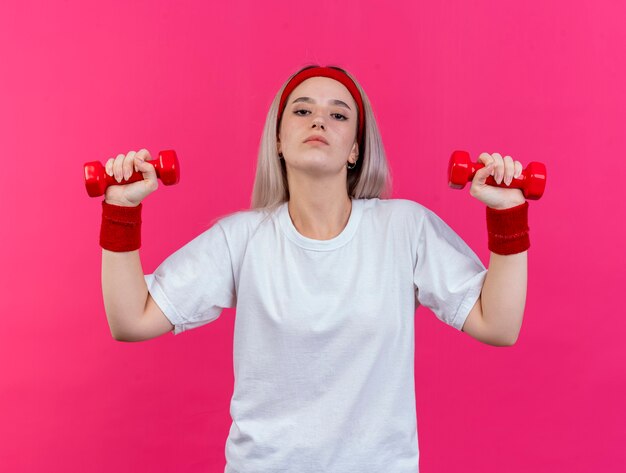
[321, 245]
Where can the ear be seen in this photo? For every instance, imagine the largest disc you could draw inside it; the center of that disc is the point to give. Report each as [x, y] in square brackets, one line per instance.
[354, 152]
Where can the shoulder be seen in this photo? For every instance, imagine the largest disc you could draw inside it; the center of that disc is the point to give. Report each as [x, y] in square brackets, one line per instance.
[397, 209]
[240, 217]
[241, 224]
[408, 216]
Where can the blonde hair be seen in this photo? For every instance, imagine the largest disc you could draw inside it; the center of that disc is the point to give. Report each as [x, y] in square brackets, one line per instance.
[370, 178]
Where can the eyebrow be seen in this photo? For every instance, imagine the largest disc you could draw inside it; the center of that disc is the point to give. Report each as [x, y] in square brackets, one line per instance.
[333, 102]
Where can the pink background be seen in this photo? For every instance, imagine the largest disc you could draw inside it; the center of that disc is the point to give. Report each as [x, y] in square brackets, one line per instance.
[82, 82]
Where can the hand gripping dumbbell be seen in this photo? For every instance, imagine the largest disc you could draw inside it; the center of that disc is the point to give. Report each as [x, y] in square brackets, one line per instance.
[97, 180]
[532, 181]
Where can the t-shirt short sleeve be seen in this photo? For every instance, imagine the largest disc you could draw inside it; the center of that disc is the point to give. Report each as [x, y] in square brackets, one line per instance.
[448, 276]
[195, 283]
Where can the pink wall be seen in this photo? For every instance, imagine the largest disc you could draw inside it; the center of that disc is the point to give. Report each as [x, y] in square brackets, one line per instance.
[84, 82]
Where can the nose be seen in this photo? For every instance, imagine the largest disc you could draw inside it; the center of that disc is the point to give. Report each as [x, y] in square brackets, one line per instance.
[318, 122]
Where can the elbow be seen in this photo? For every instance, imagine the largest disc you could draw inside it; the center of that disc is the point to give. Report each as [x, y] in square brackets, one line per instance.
[125, 337]
[121, 332]
[117, 337]
[505, 341]
[505, 335]
[115, 334]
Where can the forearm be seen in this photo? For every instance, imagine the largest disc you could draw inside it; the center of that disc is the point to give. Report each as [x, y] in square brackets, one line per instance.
[503, 295]
[124, 290]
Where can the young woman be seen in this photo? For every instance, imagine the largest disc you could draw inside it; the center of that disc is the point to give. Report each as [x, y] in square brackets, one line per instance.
[326, 272]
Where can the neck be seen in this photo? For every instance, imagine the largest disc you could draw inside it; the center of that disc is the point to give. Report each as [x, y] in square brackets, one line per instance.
[318, 210]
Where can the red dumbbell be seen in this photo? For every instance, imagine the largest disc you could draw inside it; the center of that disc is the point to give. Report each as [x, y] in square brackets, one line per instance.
[532, 181]
[97, 180]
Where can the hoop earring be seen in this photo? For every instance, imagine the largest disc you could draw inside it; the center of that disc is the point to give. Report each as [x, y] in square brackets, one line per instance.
[351, 167]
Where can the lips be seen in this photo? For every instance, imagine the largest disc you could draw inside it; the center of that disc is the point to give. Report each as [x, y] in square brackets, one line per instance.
[316, 138]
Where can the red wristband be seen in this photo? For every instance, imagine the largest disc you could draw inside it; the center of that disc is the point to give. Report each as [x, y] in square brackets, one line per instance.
[508, 229]
[121, 227]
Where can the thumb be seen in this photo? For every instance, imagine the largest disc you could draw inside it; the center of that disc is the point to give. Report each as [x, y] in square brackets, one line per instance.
[144, 154]
[483, 173]
[145, 168]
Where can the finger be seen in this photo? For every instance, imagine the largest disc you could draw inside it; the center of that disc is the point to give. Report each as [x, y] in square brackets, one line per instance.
[117, 167]
[509, 169]
[144, 155]
[109, 166]
[485, 158]
[498, 167]
[482, 174]
[147, 169]
[140, 157]
[518, 169]
[149, 175]
[129, 161]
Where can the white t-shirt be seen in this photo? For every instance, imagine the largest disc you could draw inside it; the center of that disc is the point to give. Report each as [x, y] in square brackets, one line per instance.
[324, 329]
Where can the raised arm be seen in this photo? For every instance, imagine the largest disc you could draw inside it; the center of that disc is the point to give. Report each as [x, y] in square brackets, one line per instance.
[496, 318]
[131, 312]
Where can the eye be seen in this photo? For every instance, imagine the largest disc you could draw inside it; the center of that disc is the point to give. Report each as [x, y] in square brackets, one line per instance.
[338, 116]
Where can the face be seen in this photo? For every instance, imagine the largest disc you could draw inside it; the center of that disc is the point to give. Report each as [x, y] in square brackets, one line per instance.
[325, 108]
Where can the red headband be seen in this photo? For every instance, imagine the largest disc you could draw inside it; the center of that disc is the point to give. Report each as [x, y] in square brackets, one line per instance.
[332, 73]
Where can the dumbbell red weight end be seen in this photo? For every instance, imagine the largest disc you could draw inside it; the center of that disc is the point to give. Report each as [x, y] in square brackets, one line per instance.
[536, 173]
[169, 171]
[95, 180]
[459, 169]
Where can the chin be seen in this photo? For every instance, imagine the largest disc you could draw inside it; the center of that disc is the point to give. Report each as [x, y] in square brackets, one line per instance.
[319, 167]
